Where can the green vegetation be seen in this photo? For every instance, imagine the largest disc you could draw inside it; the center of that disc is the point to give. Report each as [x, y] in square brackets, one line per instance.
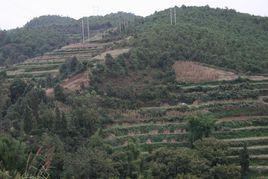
[70, 67]
[134, 119]
[199, 127]
[244, 161]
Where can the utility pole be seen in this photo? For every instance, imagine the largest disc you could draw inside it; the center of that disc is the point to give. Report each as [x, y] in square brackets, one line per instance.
[171, 16]
[83, 33]
[87, 28]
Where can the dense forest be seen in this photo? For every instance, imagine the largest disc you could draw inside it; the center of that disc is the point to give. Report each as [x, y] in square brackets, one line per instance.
[134, 119]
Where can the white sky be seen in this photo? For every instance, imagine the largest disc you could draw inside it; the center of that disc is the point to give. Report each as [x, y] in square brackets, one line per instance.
[15, 13]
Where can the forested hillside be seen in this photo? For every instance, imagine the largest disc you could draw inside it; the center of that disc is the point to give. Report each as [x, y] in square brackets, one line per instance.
[146, 99]
[47, 33]
[221, 37]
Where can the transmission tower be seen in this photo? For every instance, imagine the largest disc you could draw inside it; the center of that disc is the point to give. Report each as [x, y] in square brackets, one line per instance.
[83, 33]
[173, 16]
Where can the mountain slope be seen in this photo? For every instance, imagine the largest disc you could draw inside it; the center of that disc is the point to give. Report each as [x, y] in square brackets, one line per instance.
[48, 33]
[220, 37]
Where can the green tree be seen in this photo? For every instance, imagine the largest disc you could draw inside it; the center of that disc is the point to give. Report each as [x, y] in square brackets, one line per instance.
[13, 154]
[200, 126]
[86, 120]
[17, 89]
[60, 123]
[244, 161]
[88, 162]
[128, 163]
[213, 150]
[46, 118]
[59, 93]
[3, 74]
[224, 172]
[169, 163]
[71, 66]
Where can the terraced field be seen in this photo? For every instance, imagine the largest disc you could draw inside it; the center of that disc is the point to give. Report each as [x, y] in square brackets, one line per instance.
[242, 116]
[40, 67]
[240, 106]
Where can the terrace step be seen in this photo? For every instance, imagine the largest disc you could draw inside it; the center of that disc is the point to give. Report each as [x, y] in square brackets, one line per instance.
[251, 147]
[245, 139]
[249, 128]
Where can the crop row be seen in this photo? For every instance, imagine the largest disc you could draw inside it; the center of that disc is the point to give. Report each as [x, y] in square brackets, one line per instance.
[180, 127]
[255, 132]
[251, 121]
[250, 141]
[255, 160]
[180, 137]
[253, 150]
[148, 128]
[180, 112]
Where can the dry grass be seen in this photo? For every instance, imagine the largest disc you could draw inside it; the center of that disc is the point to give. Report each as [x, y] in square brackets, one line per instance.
[257, 78]
[82, 45]
[115, 53]
[22, 72]
[188, 71]
[45, 58]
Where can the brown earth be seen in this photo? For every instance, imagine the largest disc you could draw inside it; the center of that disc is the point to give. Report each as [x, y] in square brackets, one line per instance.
[188, 71]
[49, 91]
[75, 82]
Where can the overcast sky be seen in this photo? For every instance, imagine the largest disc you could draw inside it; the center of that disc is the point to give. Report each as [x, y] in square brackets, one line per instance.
[15, 13]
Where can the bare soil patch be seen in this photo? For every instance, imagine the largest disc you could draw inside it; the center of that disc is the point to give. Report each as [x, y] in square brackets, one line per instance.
[49, 91]
[82, 45]
[188, 71]
[76, 81]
